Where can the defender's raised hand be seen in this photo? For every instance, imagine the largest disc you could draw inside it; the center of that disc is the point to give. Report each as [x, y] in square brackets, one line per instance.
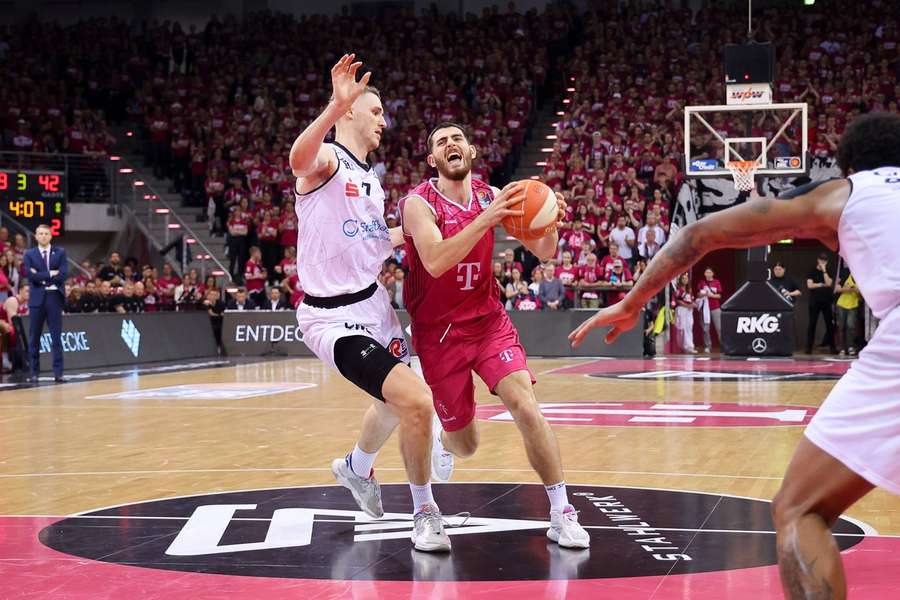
[343, 81]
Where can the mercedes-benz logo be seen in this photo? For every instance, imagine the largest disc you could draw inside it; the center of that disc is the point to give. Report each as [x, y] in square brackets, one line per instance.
[759, 345]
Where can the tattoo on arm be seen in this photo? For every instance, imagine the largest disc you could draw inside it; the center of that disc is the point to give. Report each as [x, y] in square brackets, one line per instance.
[676, 257]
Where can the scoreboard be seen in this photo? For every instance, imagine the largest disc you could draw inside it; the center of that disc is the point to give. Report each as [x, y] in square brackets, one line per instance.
[34, 197]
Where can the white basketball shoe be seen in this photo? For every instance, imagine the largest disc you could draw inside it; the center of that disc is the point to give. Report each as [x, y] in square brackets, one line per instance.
[366, 491]
[428, 533]
[441, 460]
[565, 529]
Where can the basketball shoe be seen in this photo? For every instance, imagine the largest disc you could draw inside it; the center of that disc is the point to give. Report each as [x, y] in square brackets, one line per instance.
[428, 533]
[565, 529]
[441, 460]
[366, 491]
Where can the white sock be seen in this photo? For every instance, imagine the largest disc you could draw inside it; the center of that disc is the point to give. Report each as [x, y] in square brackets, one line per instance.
[421, 495]
[557, 495]
[361, 462]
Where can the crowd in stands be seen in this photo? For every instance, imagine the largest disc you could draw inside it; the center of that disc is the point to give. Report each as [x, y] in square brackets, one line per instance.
[220, 122]
[219, 107]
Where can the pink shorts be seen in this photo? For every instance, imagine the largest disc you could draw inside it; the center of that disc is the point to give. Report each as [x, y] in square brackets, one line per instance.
[488, 345]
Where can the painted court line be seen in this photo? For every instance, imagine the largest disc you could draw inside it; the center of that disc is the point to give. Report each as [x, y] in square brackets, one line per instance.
[169, 407]
[328, 470]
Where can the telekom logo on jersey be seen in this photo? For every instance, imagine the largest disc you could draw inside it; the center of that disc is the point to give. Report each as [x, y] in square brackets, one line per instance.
[467, 274]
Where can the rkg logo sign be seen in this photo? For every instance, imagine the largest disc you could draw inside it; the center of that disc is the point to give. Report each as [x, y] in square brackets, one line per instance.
[764, 323]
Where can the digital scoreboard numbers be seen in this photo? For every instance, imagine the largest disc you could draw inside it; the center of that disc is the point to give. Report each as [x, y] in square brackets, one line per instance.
[34, 197]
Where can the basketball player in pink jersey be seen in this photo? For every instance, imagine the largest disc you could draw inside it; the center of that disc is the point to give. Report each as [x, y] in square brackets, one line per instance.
[459, 324]
[852, 443]
[346, 316]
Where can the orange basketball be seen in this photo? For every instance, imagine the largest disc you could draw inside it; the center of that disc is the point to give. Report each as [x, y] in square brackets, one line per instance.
[540, 209]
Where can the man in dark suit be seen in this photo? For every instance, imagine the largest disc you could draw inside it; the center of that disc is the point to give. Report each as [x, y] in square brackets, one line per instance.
[275, 301]
[47, 268]
[240, 301]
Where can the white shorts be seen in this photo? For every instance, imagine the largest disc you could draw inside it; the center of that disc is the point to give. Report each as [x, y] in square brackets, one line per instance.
[373, 317]
[859, 422]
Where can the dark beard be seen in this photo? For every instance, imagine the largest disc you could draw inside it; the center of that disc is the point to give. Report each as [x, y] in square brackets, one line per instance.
[455, 175]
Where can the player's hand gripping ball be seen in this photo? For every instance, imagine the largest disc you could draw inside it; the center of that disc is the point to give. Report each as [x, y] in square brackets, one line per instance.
[541, 212]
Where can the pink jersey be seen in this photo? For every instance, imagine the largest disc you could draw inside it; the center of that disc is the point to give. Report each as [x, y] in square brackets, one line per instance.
[466, 291]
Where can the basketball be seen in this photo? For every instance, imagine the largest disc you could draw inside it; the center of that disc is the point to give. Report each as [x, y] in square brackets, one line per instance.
[540, 209]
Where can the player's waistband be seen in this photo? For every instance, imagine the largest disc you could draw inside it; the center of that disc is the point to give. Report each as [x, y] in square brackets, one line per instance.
[342, 300]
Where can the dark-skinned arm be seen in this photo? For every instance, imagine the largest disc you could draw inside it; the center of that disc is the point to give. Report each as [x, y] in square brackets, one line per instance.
[760, 221]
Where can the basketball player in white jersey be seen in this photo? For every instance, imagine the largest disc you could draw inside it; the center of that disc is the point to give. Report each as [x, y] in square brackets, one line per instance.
[853, 443]
[346, 317]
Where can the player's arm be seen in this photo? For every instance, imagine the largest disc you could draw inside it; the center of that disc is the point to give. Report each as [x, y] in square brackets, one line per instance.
[439, 255]
[396, 236]
[308, 156]
[757, 222]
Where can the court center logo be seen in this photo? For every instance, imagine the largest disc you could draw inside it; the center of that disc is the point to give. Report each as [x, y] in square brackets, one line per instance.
[319, 533]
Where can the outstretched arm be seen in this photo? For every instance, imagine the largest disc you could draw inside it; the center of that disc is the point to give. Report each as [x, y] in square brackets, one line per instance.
[760, 221]
[308, 156]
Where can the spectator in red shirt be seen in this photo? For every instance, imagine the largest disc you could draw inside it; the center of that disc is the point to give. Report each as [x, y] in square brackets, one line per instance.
[267, 231]
[295, 289]
[576, 237]
[525, 299]
[512, 287]
[287, 228]
[583, 212]
[255, 276]
[585, 252]
[620, 278]
[591, 278]
[287, 267]
[509, 263]
[165, 286]
[709, 294]
[567, 273]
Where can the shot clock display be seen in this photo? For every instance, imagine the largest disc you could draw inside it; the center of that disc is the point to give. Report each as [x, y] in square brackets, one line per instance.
[34, 197]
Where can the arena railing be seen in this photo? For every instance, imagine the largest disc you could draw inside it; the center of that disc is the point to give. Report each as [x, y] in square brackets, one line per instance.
[128, 189]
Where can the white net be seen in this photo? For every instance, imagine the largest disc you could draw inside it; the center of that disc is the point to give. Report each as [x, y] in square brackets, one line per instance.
[743, 172]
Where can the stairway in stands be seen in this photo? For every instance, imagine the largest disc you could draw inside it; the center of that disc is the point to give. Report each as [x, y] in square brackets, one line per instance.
[532, 154]
[163, 216]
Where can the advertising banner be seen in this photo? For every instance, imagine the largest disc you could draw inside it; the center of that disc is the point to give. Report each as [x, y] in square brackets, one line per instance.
[275, 333]
[106, 339]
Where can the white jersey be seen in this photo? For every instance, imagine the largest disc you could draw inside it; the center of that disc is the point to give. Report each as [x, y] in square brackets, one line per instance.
[342, 238]
[869, 235]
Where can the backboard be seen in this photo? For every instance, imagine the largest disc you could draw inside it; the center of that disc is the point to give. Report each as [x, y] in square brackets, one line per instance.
[774, 135]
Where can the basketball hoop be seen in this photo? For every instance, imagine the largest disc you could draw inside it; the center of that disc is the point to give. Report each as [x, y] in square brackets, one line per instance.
[743, 172]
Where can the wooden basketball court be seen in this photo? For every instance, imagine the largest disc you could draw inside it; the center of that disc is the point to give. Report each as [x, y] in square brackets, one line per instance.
[671, 441]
